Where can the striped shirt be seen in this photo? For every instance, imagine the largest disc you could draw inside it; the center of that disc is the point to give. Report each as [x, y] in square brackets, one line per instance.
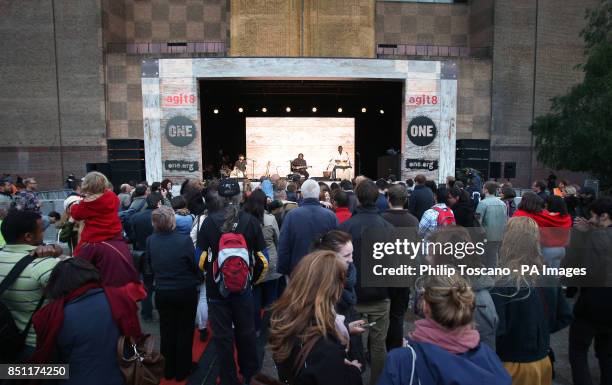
[23, 296]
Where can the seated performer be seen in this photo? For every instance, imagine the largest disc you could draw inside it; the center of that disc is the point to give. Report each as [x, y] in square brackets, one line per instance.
[225, 171]
[341, 162]
[236, 173]
[241, 164]
[299, 165]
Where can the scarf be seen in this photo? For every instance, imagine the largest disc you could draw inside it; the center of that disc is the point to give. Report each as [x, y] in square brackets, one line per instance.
[341, 327]
[49, 319]
[455, 341]
[554, 229]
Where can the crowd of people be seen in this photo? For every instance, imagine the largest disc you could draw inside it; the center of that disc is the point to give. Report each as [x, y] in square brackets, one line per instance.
[279, 265]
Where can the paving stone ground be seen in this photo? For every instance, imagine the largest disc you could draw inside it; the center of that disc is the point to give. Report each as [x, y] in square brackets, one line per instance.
[559, 343]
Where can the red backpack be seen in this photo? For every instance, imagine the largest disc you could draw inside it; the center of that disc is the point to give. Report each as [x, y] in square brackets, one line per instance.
[232, 267]
[445, 216]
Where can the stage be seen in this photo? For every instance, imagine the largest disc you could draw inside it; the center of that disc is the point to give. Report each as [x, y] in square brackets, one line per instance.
[272, 121]
[199, 111]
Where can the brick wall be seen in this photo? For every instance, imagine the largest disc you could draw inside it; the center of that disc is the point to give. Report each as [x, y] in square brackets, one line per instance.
[447, 25]
[145, 21]
[559, 49]
[47, 107]
[474, 98]
[422, 23]
[150, 21]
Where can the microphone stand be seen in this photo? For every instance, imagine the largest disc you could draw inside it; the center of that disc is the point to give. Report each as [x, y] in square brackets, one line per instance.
[252, 168]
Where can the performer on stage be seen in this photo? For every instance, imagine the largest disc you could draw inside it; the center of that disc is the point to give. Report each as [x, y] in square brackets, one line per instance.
[224, 165]
[342, 164]
[241, 163]
[299, 165]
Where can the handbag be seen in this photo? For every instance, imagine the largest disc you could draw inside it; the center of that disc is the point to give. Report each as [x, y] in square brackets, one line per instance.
[263, 379]
[139, 362]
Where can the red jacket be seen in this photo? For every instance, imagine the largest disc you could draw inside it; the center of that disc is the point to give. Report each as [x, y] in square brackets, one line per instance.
[554, 229]
[101, 218]
[342, 213]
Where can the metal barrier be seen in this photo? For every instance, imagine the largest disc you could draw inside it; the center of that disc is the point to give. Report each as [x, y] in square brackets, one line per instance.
[53, 194]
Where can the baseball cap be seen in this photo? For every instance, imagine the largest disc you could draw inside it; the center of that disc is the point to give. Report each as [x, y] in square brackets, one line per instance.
[382, 184]
[228, 188]
[70, 200]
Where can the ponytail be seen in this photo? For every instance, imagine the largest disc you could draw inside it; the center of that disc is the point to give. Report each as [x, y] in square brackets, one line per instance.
[450, 299]
[232, 214]
[332, 240]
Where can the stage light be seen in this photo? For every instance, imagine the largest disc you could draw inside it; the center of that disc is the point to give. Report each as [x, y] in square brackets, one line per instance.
[264, 109]
[215, 111]
[339, 109]
[314, 109]
[363, 110]
[240, 109]
[288, 109]
[382, 111]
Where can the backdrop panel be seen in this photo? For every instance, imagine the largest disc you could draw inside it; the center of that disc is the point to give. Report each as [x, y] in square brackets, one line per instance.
[279, 140]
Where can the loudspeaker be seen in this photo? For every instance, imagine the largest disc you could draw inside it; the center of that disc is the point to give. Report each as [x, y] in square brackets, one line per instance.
[119, 177]
[104, 168]
[126, 158]
[125, 149]
[473, 153]
[495, 170]
[125, 144]
[509, 170]
[387, 165]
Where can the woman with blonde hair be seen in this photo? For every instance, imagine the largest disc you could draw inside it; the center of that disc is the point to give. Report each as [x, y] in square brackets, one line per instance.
[445, 347]
[307, 338]
[485, 315]
[529, 308]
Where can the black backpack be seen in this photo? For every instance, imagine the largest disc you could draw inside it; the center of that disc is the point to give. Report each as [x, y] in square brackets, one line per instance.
[12, 340]
[125, 216]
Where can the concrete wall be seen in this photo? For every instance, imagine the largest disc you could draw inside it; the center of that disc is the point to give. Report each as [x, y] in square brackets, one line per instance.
[39, 125]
